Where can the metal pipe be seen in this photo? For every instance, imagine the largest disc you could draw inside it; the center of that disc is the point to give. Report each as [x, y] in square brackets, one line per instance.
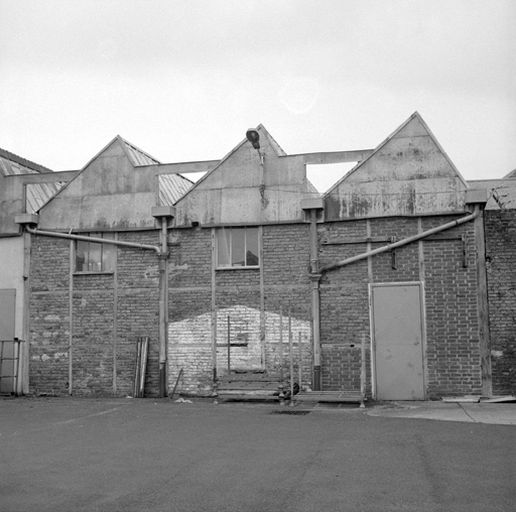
[316, 321]
[70, 319]
[401, 243]
[314, 260]
[315, 276]
[291, 356]
[281, 344]
[163, 254]
[229, 345]
[69, 236]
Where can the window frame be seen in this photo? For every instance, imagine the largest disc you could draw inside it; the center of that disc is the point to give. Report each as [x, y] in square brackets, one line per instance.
[110, 268]
[230, 230]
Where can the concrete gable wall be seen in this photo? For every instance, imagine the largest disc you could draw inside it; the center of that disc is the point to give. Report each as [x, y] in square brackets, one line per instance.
[109, 193]
[231, 193]
[407, 175]
[13, 195]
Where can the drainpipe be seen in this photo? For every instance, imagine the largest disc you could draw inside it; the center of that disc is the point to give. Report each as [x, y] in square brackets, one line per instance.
[164, 214]
[312, 206]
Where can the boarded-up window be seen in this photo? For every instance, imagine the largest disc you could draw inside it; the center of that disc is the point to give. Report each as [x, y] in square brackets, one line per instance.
[94, 256]
[237, 247]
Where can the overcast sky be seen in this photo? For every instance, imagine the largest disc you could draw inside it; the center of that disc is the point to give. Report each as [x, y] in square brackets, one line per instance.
[183, 80]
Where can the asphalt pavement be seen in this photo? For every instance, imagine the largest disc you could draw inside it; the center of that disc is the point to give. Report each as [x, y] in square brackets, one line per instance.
[157, 455]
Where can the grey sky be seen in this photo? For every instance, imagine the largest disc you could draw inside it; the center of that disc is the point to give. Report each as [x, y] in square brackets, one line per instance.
[183, 80]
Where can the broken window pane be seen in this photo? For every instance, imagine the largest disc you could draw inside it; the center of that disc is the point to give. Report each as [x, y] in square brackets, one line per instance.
[252, 247]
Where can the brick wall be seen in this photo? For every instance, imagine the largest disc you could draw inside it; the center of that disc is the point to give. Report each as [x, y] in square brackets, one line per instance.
[500, 228]
[452, 347]
[453, 355]
[103, 362]
[195, 302]
[49, 316]
[255, 300]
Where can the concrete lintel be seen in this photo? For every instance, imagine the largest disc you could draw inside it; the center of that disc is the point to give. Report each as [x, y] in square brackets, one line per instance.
[312, 203]
[476, 195]
[163, 211]
[333, 157]
[26, 218]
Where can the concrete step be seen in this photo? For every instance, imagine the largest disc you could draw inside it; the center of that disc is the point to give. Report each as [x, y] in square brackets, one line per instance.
[330, 396]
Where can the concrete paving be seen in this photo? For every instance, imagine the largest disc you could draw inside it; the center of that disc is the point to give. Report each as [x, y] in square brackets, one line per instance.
[84, 455]
[482, 412]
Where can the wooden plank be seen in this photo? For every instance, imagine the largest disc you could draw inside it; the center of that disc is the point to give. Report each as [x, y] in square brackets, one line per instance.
[461, 399]
[249, 387]
[482, 304]
[248, 392]
[246, 397]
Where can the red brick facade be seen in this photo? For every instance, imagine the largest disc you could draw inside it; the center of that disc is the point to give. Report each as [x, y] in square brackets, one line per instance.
[254, 299]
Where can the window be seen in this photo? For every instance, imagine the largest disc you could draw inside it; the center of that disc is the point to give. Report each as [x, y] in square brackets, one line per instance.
[93, 256]
[237, 247]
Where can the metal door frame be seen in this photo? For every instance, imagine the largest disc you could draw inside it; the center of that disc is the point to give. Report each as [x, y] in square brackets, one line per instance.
[422, 305]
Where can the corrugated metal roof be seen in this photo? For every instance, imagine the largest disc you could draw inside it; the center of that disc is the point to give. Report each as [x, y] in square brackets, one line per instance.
[138, 156]
[501, 192]
[11, 164]
[37, 194]
[172, 187]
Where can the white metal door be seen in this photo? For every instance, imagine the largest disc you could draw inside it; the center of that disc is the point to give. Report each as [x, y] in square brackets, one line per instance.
[397, 334]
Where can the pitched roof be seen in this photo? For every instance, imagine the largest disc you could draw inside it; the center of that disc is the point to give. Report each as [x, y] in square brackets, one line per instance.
[275, 146]
[502, 192]
[11, 164]
[137, 155]
[172, 187]
[378, 148]
[511, 175]
[38, 194]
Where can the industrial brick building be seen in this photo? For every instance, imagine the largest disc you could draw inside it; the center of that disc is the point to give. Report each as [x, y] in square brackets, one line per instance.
[381, 285]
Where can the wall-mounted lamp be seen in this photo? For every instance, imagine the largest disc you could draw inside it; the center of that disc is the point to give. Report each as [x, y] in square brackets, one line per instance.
[253, 137]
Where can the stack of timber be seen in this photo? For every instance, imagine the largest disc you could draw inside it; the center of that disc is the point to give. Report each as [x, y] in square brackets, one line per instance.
[142, 350]
[339, 397]
[251, 385]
